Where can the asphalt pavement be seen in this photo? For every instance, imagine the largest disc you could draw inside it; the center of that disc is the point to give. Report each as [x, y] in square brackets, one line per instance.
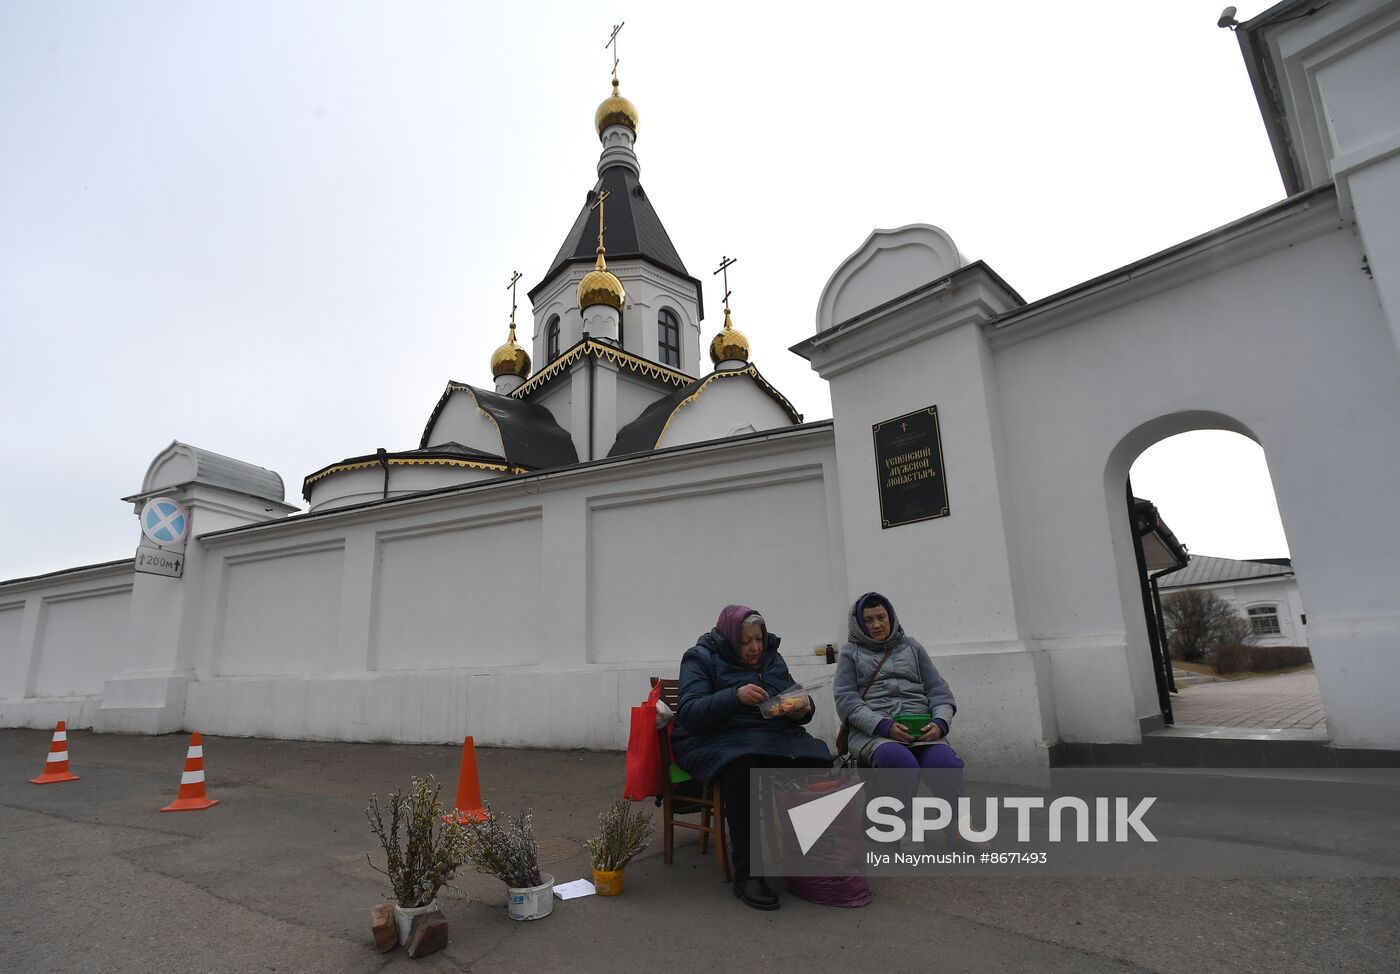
[275, 878]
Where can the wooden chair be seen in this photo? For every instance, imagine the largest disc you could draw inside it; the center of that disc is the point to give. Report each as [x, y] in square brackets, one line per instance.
[683, 795]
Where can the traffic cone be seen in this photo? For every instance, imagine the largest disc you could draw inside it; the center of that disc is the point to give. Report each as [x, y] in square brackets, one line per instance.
[468, 808]
[191, 797]
[56, 767]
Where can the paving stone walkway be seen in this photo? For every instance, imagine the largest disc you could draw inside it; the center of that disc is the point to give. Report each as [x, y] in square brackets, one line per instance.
[1291, 701]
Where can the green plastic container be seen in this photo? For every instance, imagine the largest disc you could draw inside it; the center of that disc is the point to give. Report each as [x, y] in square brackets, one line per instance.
[915, 723]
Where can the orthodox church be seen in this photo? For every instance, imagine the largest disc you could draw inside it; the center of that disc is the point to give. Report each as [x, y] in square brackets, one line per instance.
[521, 572]
[619, 345]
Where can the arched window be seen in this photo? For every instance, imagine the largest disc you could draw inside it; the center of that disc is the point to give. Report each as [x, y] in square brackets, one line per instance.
[668, 338]
[551, 333]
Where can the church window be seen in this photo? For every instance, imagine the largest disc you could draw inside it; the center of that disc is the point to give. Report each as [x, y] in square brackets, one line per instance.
[1263, 620]
[668, 338]
[551, 332]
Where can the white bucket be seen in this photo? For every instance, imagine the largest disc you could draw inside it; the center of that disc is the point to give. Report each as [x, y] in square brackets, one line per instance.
[403, 917]
[533, 902]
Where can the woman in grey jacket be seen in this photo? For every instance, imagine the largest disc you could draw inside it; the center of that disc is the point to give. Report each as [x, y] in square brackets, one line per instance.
[881, 675]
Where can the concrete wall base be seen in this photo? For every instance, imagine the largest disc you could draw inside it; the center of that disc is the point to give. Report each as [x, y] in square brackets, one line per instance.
[142, 705]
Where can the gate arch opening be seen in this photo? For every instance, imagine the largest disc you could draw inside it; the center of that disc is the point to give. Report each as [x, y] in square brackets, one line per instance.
[1223, 607]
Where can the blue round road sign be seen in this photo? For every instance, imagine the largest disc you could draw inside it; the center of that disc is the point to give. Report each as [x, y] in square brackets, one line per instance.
[164, 521]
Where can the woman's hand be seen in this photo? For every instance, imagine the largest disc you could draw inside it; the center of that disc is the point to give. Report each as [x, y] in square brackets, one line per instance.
[751, 694]
[931, 733]
[899, 733]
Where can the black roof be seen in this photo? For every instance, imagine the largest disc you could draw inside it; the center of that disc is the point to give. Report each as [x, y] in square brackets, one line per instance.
[633, 230]
[640, 435]
[530, 435]
[451, 449]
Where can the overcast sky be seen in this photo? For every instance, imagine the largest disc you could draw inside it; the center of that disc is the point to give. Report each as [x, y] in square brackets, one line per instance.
[276, 230]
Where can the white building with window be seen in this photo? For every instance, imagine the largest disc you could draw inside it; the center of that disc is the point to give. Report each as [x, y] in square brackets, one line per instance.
[1263, 592]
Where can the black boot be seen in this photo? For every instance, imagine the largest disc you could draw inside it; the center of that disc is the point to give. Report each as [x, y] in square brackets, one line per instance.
[755, 892]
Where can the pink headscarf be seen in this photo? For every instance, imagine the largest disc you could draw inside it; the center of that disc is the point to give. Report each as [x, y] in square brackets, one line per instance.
[728, 625]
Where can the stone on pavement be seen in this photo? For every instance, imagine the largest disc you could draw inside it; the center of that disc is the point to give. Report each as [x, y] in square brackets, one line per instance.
[427, 935]
[386, 933]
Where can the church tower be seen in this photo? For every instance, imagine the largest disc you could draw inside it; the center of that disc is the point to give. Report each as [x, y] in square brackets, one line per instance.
[659, 318]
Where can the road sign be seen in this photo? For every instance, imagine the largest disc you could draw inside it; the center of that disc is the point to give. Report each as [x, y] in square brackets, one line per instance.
[158, 561]
[165, 522]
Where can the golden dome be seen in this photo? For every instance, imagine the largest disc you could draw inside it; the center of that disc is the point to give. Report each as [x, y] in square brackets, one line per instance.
[730, 345]
[600, 286]
[616, 111]
[510, 359]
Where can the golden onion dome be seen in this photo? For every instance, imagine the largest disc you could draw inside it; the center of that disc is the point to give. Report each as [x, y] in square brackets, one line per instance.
[510, 359]
[730, 345]
[601, 286]
[616, 110]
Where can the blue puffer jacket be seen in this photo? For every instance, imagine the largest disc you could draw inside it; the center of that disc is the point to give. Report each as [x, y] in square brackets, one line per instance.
[713, 727]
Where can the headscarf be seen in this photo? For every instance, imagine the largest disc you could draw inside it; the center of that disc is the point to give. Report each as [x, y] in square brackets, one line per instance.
[730, 619]
[856, 623]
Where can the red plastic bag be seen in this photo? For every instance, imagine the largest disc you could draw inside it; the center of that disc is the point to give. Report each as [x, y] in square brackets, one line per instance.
[644, 752]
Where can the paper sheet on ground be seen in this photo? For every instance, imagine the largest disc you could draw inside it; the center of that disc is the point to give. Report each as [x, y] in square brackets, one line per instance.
[579, 887]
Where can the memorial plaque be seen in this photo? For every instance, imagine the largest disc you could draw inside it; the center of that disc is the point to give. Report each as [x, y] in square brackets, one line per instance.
[909, 468]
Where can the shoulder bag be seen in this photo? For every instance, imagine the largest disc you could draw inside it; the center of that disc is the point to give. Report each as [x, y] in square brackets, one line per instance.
[843, 735]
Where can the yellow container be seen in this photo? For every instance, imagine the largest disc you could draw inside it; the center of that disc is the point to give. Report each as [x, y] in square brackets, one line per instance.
[607, 882]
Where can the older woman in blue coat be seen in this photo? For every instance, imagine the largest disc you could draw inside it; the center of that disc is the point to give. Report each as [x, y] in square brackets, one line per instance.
[720, 735]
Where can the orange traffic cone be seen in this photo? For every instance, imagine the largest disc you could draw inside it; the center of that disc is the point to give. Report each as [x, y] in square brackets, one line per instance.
[468, 808]
[56, 767]
[191, 797]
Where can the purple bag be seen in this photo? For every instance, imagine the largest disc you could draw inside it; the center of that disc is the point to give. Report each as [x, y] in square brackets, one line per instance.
[842, 847]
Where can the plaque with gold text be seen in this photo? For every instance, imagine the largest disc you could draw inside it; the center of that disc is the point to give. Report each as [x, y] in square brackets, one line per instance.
[909, 468]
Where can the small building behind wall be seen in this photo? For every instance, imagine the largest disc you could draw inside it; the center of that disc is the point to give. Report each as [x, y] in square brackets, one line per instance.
[1263, 593]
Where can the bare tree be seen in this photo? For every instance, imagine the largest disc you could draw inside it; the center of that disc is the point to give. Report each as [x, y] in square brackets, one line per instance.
[1199, 622]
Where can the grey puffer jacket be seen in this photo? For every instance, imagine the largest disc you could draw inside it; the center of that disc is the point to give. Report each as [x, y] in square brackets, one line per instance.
[908, 683]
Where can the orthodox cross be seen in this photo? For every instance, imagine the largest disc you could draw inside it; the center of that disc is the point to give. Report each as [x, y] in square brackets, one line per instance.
[724, 263]
[599, 204]
[612, 43]
[514, 276]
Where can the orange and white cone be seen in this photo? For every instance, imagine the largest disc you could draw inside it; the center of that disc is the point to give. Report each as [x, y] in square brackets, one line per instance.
[191, 797]
[56, 767]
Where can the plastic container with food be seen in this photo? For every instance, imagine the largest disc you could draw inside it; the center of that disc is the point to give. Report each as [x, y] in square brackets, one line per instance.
[794, 698]
[915, 724]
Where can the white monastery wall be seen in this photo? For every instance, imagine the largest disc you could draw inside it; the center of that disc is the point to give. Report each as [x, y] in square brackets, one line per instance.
[1240, 344]
[278, 611]
[60, 637]
[771, 549]
[460, 594]
[467, 612]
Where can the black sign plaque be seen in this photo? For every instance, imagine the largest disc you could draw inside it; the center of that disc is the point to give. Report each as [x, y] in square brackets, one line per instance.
[909, 468]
